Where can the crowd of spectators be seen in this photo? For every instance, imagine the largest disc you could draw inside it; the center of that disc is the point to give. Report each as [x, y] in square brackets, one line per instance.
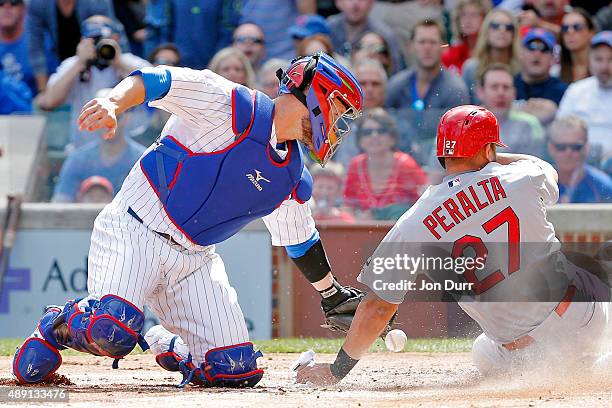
[544, 67]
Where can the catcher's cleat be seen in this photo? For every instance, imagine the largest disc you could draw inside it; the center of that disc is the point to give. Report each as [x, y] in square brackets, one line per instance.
[232, 366]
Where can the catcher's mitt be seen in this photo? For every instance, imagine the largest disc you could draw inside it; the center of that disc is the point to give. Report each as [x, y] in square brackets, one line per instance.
[340, 316]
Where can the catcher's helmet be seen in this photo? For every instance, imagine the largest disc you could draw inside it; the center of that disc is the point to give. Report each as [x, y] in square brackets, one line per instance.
[333, 97]
[464, 130]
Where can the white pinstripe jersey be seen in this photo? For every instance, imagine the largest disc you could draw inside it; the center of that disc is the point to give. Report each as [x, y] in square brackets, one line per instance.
[201, 108]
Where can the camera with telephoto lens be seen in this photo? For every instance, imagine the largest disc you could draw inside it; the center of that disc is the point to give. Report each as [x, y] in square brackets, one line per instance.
[102, 33]
[106, 50]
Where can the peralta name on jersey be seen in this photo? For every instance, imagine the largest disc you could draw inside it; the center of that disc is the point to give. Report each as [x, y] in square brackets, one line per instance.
[466, 202]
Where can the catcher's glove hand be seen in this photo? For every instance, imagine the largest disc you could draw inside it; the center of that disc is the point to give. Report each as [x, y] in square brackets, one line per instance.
[339, 316]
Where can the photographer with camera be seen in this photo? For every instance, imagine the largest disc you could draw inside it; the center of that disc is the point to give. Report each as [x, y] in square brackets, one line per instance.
[99, 63]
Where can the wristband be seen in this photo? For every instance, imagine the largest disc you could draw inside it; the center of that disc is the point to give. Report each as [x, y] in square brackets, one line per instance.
[343, 364]
[156, 82]
[313, 264]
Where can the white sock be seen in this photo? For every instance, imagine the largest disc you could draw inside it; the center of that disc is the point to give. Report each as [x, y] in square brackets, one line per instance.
[159, 340]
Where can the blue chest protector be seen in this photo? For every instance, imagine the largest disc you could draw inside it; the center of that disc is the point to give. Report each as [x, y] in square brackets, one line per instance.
[211, 196]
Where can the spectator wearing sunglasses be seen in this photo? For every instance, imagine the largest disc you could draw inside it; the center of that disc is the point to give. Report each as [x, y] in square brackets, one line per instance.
[534, 80]
[546, 14]
[591, 98]
[249, 38]
[577, 29]
[578, 181]
[538, 92]
[467, 19]
[498, 41]
[381, 183]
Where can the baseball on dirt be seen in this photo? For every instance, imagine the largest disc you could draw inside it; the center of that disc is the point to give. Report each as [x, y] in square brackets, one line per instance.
[395, 340]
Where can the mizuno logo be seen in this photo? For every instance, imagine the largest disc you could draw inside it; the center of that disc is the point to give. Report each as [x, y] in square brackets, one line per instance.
[256, 179]
[112, 336]
[122, 318]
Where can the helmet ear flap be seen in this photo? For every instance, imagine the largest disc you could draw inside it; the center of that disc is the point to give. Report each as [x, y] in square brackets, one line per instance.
[309, 72]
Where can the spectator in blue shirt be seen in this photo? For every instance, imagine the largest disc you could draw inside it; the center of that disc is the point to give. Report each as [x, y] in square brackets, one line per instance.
[95, 189]
[14, 59]
[157, 24]
[578, 182]
[15, 96]
[199, 28]
[110, 158]
[534, 80]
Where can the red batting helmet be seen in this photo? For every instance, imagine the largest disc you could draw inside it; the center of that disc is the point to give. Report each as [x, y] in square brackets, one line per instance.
[464, 130]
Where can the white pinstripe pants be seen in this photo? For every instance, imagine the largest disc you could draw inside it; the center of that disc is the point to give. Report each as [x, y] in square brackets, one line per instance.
[187, 290]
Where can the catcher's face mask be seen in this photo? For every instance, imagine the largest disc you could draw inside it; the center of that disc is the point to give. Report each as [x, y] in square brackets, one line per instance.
[333, 97]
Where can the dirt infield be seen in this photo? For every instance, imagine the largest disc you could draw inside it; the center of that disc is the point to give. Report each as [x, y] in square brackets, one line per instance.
[380, 380]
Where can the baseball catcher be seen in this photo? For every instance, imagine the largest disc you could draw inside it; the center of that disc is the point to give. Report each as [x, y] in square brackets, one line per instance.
[227, 155]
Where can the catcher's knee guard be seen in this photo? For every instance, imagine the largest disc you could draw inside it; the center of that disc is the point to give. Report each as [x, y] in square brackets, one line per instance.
[230, 366]
[38, 357]
[108, 327]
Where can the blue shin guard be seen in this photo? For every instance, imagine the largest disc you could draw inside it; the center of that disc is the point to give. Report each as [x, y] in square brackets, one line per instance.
[38, 357]
[230, 366]
[107, 327]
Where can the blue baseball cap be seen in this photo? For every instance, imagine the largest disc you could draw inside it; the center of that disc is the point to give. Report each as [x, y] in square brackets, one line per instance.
[542, 35]
[307, 25]
[602, 37]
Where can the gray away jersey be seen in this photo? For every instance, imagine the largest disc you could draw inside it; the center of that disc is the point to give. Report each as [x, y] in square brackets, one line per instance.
[498, 204]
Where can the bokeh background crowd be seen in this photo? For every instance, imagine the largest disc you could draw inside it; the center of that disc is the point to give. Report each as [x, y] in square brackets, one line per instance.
[544, 67]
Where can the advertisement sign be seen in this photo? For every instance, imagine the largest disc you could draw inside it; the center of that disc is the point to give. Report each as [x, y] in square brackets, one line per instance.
[49, 266]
